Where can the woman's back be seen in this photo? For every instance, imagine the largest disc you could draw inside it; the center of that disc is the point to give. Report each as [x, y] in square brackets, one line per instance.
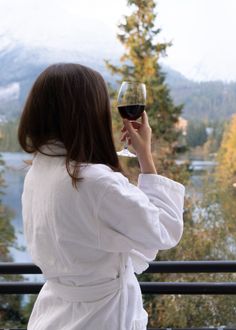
[60, 223]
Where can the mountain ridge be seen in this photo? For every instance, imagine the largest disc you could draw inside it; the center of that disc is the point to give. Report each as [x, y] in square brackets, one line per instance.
[19, 65]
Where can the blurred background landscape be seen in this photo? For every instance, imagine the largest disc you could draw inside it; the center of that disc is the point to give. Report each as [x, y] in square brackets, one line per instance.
[190, 71]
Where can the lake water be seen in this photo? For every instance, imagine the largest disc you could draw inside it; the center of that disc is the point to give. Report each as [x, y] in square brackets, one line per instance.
[14, 173]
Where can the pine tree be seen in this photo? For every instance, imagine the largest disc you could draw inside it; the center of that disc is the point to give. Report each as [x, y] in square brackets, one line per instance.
[143, 50]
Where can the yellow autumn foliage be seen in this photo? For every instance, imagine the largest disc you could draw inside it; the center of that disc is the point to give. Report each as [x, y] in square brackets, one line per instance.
[226, 169]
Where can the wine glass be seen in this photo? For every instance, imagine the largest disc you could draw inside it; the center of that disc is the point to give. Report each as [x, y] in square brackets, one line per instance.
[131, 104]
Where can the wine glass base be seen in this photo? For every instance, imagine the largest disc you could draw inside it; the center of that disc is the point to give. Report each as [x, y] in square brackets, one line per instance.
[126, 153]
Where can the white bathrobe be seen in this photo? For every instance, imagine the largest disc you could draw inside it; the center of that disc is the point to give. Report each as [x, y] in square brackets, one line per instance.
[89, 242]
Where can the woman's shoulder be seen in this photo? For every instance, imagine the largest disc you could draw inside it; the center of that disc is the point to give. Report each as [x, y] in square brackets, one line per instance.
[101, 174]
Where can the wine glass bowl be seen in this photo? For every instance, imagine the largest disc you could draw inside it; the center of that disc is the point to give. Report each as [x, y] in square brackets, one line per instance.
[131, 104]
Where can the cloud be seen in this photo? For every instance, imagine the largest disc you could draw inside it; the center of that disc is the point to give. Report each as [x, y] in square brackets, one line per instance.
[59, 23]
[204, 42]
[11, 91]
[202, 31]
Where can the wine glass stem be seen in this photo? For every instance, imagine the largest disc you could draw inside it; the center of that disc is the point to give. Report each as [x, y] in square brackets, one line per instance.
[126, 143]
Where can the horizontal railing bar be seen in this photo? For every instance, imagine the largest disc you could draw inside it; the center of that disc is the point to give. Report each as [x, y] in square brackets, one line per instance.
[18, 268]
[218, 328]
[155, 267]
[192, 267]
[184, 288]
[187, 288]
[20, 287]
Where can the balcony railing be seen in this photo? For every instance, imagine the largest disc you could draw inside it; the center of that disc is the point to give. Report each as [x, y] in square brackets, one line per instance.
[184, 288]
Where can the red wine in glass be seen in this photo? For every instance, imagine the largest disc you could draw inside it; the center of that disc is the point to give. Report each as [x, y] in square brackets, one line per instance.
[132, 111]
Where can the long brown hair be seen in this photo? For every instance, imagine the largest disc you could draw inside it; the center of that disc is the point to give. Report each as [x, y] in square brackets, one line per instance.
[70, 103]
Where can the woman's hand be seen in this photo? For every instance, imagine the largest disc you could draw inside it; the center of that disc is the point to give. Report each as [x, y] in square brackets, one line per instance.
[139, 136]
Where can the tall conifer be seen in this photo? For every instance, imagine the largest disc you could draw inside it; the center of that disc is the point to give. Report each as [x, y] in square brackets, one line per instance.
[140, 62]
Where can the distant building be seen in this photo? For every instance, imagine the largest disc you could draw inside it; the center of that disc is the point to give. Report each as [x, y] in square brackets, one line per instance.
[1, 134]
[182, 125]
[209, 130]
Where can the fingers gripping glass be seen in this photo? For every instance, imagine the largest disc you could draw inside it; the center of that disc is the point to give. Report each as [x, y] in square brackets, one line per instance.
[131, 104]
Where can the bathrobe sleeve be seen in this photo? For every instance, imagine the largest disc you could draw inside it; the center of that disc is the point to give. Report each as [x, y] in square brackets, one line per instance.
[141, 220]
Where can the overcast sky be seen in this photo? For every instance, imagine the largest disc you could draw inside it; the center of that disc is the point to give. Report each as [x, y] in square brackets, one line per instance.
[203, 32]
